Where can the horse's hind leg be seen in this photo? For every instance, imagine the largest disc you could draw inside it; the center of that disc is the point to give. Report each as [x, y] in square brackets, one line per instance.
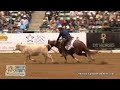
[89, 57]
[75, 58]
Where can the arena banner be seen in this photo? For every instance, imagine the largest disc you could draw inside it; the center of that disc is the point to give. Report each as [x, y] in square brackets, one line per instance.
[8, 41]
[108, 40]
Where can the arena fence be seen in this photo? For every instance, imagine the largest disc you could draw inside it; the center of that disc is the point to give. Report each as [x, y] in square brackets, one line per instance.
[105, 42]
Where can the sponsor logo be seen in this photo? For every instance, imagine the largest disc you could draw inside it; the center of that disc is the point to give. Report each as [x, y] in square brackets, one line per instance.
[103, 37]
[3, 37]
[15, 70]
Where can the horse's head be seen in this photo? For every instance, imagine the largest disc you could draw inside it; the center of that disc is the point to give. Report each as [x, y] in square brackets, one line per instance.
[54, 43]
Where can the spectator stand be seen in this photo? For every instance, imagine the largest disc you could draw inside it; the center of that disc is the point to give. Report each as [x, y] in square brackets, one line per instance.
[9, 20]
[87, 21]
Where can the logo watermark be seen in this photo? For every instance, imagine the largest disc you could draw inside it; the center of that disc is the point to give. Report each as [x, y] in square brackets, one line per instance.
[95, 73]
[15, 70]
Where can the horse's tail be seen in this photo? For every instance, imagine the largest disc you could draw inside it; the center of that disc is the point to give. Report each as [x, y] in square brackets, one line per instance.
[93, 52]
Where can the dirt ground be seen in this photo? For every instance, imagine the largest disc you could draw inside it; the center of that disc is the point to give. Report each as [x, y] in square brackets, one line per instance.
[61, 70]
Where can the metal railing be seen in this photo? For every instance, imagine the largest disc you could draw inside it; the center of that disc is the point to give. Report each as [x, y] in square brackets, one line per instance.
[100, 30]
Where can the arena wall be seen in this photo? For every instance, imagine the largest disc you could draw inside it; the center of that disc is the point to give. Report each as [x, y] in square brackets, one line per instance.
[8, 41]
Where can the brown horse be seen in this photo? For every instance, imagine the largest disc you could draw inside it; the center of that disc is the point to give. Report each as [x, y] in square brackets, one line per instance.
[78, 48]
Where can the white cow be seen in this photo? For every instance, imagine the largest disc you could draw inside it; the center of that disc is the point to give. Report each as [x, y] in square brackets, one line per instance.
[34, 50]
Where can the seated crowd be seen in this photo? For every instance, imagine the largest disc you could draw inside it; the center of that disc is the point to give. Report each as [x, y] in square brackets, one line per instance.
[14, 21]
[78, 21]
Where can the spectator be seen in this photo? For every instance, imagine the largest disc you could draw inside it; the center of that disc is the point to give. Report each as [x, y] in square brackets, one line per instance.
[1, 27]
[72, 14]
[5, 29]
[19, 30]
[91, 23]
[118, 21]
[91, 20]
[82, 28]
[52, 23]
[44, 26]
[112, 23]
[68, 28]
[76, 30]
[57, 22]
[22, 26]
[9, 19]
[106, 25]
[24, 21]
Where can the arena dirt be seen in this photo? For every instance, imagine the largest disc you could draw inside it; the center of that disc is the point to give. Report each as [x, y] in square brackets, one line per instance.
[107, 63]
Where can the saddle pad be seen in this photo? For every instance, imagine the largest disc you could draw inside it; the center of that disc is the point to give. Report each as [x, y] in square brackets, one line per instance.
[69, 46]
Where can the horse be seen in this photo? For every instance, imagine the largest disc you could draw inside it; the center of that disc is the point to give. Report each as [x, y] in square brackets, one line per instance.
[78, 48]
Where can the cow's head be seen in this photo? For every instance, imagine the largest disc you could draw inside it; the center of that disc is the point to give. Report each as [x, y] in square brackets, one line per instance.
[17, 47]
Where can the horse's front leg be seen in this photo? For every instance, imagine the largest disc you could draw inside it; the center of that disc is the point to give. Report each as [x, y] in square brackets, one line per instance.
[64, 55]
[75, 58]
[65, 59]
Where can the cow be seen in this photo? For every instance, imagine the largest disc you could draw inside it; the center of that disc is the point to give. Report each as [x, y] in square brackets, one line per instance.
[34, 50]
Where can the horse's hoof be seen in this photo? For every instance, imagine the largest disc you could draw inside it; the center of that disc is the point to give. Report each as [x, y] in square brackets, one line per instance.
[89, 61]
[78, 61]
[55, 62]
[65, 62]
[39, 62]
[61, 56]
[34, 60]
[93, 59]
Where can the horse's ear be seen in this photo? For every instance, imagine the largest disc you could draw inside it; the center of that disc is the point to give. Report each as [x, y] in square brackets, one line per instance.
[48, 41]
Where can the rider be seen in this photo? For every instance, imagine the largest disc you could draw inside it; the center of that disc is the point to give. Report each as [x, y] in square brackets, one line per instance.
[65, 36]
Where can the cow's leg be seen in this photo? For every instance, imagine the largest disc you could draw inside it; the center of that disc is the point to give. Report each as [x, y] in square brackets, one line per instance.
[47, 56]
[26, 58]
[75, 58]
[50, 57]
[31, 59]
[45, 59]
